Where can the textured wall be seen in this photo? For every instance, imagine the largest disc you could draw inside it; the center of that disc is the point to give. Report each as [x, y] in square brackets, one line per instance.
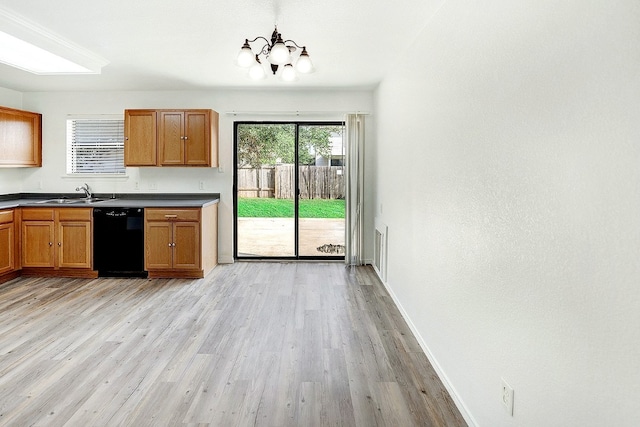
[10, 98]
[509, 179]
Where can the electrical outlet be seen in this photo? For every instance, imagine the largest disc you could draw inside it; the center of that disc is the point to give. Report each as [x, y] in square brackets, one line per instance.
[137, 186]
[153, 186]
[201, 185]
[506, 396]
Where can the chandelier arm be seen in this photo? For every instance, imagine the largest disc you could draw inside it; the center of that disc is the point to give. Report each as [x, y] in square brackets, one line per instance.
[258, 38]
[294, 43]
[265, 49]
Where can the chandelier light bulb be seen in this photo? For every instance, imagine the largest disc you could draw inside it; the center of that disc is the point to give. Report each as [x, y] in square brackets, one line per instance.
[304, 64]
[246, 57]
[279, 54]
[256, 72]
[288, 73]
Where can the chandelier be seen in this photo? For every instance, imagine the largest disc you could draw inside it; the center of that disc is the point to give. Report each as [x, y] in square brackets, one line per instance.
[279, 54]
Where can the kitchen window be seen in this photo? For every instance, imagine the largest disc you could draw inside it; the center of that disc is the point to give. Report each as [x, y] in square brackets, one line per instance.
[95, 146]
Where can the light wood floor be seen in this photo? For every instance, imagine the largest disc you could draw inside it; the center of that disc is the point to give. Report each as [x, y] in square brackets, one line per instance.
[266, 344]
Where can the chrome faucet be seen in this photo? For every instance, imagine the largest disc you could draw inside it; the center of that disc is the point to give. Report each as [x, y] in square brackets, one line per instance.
[86, 189]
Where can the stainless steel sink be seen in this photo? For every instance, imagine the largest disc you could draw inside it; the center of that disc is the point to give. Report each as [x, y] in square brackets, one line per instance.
[71, 201]
[91, 200]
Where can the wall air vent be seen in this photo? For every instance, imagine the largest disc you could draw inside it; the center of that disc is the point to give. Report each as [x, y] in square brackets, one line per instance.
[380, 250]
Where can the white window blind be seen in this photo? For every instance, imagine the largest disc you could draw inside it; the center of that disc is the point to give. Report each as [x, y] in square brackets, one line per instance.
[95, 146]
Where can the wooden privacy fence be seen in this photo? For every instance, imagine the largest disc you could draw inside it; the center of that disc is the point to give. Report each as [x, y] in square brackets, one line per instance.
[316, 182]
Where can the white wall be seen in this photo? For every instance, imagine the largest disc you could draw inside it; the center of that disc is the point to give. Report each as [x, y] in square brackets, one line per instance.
[509, 179]
[10, 98]
[56, 106]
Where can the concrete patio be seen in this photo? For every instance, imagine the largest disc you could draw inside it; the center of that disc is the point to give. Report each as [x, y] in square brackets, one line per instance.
[274, 237]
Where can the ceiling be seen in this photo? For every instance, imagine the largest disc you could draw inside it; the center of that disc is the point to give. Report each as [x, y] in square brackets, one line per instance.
[189, 45]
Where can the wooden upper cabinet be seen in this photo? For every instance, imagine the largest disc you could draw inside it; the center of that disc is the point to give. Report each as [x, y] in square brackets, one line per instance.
[181, 138]
[171, 138]
[140, 138]
[198, 146]
[188, 138]
[20, 138]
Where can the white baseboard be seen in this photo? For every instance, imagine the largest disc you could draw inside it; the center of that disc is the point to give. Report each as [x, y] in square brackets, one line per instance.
[436, 366]
[225, 260]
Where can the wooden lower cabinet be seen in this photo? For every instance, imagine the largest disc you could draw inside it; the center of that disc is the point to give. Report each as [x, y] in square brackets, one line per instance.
[173, 245]
[74, 244]
[47, 241]
[7, 245]
[57, 241]
[181, 242]
[38, 238]
[7, 255]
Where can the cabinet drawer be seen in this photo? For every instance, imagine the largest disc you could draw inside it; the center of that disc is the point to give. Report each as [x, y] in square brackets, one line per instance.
[172, 214]
[37, 214]
[74, 214]
[6, 216]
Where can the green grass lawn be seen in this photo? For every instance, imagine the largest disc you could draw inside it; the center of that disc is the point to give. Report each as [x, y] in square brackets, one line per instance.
[283, 208]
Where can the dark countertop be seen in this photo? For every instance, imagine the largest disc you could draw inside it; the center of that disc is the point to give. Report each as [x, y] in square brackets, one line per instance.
[125, 200]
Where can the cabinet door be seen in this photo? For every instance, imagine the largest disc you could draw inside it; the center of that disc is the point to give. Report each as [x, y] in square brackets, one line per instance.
[7, 241]
[158, 245]
[37, 243]
[171, 138]
[197, 138]
[186, 245]
[140, 138]
[74, 244]
[20, 138]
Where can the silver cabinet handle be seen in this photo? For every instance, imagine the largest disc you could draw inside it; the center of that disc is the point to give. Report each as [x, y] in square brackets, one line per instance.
[50, 244]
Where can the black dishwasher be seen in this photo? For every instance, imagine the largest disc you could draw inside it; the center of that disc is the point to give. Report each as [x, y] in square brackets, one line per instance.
[118, 242]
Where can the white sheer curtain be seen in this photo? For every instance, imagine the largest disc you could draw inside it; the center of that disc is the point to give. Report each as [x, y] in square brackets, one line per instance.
[354, 161]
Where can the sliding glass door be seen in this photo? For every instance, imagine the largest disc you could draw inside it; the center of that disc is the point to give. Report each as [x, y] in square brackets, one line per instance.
[321, 190]
[265, 212]
[289, 190]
